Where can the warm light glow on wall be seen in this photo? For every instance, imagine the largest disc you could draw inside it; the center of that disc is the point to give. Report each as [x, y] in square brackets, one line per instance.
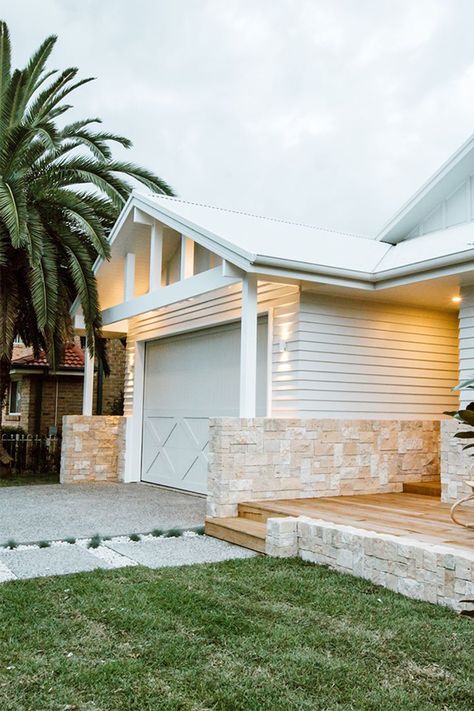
[456, 299]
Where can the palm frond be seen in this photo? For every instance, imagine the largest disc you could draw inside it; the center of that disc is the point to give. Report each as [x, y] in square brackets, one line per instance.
[5, 59]
[60, 193]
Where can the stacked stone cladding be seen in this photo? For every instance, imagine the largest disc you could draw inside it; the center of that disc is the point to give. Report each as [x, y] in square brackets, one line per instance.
[93, 448]
[457, 466]
[271, 458]
[439, 574]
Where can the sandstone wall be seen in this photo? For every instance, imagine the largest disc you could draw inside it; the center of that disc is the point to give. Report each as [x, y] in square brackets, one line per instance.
[417, 569]
[456, 465]
[270, 458]
[93, 448]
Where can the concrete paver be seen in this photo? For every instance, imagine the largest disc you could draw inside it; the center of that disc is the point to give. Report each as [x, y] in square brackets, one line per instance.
[34, 562]
[57, 560]
[162, 552]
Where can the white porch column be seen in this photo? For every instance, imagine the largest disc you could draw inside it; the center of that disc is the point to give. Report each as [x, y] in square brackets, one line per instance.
[248, 347]
[88, 386]
[129, 277]
[156, 250]
[187, 257]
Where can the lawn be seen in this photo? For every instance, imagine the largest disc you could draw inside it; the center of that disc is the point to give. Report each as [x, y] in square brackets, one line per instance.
[254, 634]
[28, 479]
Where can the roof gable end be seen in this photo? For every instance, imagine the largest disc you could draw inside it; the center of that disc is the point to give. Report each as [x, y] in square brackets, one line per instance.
[442, 202]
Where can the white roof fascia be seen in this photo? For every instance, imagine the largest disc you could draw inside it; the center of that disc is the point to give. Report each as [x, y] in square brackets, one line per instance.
[444, 182]
[224, 248]
[112, 236]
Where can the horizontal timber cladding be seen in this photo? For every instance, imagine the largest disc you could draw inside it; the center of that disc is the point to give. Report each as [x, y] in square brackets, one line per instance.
[363, 359]
[212, 309]
[466, 341]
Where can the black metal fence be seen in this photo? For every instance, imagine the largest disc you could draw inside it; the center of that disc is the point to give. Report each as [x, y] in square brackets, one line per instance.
[32, 454]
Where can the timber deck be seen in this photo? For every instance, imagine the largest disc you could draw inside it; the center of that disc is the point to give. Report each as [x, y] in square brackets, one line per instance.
[419, 516]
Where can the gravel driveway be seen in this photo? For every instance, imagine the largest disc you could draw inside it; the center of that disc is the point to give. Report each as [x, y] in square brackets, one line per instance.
[52, 512]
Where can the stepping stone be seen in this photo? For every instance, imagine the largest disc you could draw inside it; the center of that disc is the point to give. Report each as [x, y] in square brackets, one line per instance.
[187, 550]
[56, 560]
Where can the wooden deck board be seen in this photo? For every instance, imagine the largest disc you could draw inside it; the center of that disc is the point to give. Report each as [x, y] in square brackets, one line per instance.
[422, 517]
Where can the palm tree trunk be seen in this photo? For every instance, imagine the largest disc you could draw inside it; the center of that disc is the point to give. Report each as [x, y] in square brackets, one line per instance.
[5, 459]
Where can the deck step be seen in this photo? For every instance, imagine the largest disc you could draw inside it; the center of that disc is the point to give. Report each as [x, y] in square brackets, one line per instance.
[243, 532]
[425, 488]
[256, 512]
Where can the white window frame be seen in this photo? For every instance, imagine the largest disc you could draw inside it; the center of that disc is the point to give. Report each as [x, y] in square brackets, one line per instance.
[17, 383]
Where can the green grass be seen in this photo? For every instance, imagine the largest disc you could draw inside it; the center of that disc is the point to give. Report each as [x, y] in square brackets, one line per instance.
[259, 634]
[28, 479]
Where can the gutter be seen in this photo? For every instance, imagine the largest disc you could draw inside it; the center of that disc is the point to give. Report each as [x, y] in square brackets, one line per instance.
[431, 268]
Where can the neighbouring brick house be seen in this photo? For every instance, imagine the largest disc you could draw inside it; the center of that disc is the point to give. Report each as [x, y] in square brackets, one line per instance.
[38, 398]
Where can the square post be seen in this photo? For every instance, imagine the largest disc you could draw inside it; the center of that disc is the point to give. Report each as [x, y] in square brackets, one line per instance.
[129, 277]
[248, 347]
[88, 385]
[156, 250]
[187, 258]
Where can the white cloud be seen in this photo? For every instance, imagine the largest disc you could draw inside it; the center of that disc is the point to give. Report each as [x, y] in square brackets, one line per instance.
[324, 112]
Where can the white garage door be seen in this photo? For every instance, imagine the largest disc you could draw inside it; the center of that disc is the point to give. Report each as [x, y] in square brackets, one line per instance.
[188, 379]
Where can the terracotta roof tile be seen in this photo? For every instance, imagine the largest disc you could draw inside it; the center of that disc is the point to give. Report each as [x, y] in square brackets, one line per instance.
[73, 358]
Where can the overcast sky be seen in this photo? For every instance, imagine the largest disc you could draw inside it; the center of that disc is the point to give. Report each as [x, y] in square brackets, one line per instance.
[330, 112]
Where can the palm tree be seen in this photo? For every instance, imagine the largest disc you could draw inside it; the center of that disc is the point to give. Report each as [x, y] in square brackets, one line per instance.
[60, 193]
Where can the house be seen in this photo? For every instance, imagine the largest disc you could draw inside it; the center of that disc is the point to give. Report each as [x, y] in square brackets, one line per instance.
[39, 397]
[269, 360]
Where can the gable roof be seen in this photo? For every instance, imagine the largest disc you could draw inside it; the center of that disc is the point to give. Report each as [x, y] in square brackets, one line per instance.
[444, 182]
[264, 240]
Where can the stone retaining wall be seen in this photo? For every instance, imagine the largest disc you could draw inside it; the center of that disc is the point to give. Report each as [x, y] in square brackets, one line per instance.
[456, 465]
[271, 458]
[93, 448]
[438, 574]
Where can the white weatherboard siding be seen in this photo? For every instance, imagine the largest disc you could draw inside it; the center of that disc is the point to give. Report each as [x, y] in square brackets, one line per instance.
[360, 359]
[212, 309]
[466, 341]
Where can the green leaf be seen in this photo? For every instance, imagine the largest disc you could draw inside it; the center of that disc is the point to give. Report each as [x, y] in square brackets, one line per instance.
[465, 385]
[467, 416]
[465, 435]
[5, 59]
[13, 210]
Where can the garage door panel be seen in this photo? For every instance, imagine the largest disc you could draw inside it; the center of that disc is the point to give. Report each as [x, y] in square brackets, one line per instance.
[177, 456]
[188, 379]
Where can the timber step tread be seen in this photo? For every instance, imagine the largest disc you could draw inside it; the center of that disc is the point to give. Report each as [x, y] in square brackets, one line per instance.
[426, 488]
[243, 532]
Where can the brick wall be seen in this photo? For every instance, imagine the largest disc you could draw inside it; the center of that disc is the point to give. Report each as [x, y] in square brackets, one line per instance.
[113, 385]
[421, 570]
[269, 458]
[93, 448]
[69, 390]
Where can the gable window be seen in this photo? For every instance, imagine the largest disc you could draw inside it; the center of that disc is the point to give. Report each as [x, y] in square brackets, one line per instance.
[15, 398]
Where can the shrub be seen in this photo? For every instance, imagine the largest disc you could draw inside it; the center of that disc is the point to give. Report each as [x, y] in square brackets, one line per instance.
[94, 541]
[174, 533]
[465, 416]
